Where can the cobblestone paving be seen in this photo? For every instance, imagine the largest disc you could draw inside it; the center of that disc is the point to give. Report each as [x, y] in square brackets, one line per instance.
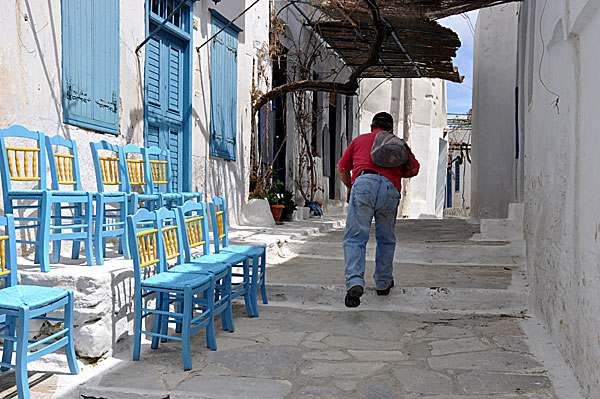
[416, 343]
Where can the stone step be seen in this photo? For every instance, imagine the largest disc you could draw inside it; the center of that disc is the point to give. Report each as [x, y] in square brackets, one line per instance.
[418, 300]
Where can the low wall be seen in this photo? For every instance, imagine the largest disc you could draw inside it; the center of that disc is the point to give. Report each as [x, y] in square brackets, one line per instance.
[104, 303]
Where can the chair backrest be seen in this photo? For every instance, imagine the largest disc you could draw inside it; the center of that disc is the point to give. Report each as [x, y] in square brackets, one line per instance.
[107, 165]
[8, 251]
[159, 163]
[144, 243]
[218, 216]
[193, 220]
[137, 175]
[64, 163]
[21, 163]
[170, 235]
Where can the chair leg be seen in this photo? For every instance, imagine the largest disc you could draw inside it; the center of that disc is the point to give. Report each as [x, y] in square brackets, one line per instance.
[44, 239]
[263, 279]
[178, 326]
[9, 346]
[254, 284]
[185, 333]
[89, 237]
[70, 347]
[247, 296]
[21, 362]
[227, 315]
[138, 325]
[57, 245]
[98, 249]
[211, 341]
[123, 241]
[77, 243]
[158, 319]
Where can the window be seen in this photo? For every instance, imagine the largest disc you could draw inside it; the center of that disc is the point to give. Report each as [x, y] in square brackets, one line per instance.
[90, 42]
[223, 88]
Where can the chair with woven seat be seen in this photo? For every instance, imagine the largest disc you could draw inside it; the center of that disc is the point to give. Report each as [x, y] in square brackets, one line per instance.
[64, 171]
[110, 221]
[256, 253]
[24, 165]
[194, 217]
[194, 291]
[171, 228]
[158, 161]
[19, 304]
[138, 176]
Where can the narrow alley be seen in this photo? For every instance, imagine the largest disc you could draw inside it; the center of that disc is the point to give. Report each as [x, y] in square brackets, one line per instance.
[455, 326]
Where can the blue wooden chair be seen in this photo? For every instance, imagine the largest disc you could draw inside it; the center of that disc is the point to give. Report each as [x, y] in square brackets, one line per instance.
[138, 176]
[25, 165]
[195, 291]
[257, 253]
[194, 216]
[171, 227]
[158, 161]
[110, 221]
[64, 170]
[19, 304]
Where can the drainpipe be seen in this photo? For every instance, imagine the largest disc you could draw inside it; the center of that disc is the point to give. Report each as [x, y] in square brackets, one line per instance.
[407, 123]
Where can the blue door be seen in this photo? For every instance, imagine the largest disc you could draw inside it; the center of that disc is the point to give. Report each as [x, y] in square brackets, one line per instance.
[167, 89]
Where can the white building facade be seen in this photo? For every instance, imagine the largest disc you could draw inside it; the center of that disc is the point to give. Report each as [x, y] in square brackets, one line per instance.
[53, 69]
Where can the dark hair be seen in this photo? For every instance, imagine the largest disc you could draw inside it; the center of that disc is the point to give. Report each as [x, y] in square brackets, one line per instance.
[384, 121]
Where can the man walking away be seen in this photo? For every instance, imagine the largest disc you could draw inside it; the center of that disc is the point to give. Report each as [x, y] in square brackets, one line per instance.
[372, 191]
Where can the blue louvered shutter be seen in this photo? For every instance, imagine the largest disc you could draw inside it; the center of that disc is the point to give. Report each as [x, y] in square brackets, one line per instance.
[223, 110]
[176, 154]
[90, 42]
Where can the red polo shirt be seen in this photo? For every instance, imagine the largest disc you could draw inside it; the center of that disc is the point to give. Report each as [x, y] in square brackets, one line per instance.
[357, 158]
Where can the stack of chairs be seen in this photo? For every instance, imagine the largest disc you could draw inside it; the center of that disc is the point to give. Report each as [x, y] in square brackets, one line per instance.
[165, 232]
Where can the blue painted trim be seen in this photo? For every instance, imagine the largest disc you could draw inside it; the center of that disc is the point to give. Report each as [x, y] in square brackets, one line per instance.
[449, 186]
[224, 20]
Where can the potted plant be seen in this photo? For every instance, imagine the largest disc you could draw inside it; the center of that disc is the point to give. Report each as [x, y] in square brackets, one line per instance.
[275, 197]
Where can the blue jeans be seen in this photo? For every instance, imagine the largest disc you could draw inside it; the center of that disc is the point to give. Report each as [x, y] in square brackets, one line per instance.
[371, 195]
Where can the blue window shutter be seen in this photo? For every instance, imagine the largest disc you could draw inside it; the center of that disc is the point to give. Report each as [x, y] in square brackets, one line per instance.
[175, 72]
[90, 41]
[223, 119]
[175, 148]
[153, 72]
[153, 138]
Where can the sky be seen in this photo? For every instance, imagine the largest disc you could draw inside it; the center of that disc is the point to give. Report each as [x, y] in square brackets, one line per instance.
[459, 95]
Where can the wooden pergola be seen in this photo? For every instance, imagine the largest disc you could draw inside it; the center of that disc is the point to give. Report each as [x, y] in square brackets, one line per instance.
[413, 45]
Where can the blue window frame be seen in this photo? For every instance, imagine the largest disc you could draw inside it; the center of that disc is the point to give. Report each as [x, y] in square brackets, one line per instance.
[90, 55]
[223, 88]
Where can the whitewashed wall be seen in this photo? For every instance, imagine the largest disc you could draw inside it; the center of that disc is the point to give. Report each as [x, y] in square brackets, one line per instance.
[31, 75]
[562, 197]
[31, 91]
[493, 136]
[557, 74]
[419, 106]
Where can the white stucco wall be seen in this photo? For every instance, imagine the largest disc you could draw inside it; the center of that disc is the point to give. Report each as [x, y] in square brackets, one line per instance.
[31, 91]
[31, 76]
[562, 197]
[493, 135]
[558, 115]
[426, 115]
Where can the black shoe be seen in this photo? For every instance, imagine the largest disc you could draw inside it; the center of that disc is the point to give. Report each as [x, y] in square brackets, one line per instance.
[386, 291]
[353, 296]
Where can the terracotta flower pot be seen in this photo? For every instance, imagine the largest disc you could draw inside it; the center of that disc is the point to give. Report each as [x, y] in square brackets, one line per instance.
[276, 211]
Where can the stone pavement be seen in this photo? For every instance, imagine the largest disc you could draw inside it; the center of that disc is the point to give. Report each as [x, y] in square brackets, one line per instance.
[455, 326]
